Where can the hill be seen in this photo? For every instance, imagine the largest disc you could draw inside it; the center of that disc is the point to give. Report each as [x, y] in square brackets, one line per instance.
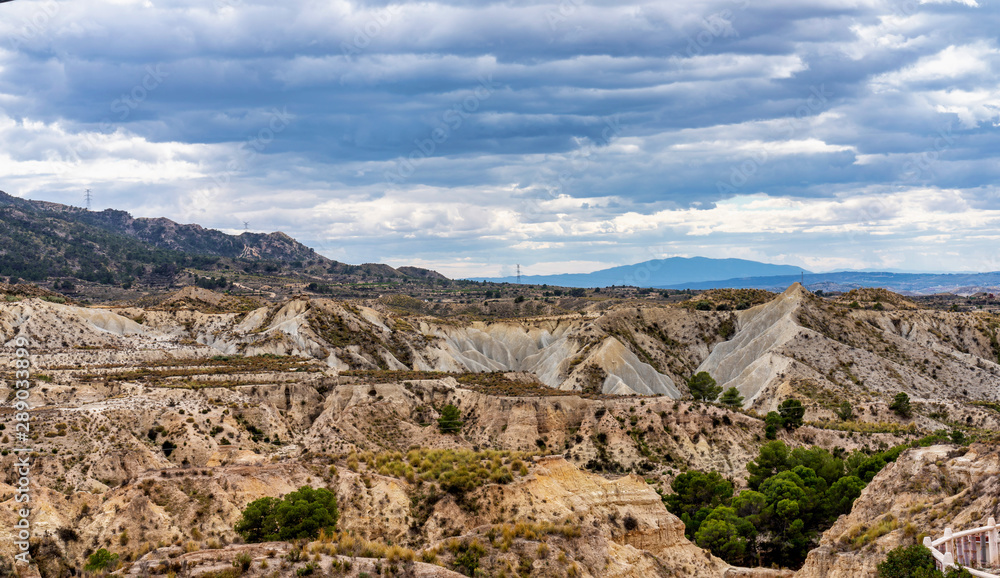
[158, 424]
[843, 281]
[675, 271]
[165, 234]
[43, 240]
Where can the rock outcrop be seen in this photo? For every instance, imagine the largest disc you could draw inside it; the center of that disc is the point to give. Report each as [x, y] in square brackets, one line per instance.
[799, 345]
[563, 353]
[923, 492]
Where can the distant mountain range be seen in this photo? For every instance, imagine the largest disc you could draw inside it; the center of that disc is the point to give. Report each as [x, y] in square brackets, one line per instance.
[701, 273]
[659, 272]
[905, 283]
[41, 240]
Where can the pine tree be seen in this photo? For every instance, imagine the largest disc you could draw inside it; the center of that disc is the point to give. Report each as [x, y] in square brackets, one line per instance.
[732, 397]
[845, 412]
[450, 421]
[901, 405]
[792, 412]
[702, 387]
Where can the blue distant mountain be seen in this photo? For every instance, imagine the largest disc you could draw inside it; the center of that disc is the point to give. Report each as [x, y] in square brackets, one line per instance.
[906, 283]
[660, 272]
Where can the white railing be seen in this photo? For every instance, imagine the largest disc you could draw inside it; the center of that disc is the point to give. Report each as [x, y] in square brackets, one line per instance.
[970, 549]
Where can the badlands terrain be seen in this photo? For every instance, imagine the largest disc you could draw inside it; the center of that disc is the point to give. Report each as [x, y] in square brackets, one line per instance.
[155, 423]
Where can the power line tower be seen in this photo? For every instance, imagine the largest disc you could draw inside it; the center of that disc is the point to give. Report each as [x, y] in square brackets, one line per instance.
[246, 226]
[518, 274]
[88, 197]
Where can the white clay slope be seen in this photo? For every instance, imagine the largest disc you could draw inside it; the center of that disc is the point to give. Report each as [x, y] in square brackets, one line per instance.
[544, 351]
[627, 374]
[747, 361]
[507, 347]
[545, 348]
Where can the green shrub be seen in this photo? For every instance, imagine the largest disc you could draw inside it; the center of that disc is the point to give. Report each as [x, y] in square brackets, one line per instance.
[901, 405]
[772, 421]
[702, 387]
[299, 515]
[242, 561]
[908, 561]
[450, 420]
[845, 412]
[732, 397]
[100, 561]
[792, 412]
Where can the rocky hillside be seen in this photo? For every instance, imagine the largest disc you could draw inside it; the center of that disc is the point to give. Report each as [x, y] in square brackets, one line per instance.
[154, 426]
[863, 353]
[925, 491]
[627, 350]
[42, 240]
[164, 233]
[153, 454]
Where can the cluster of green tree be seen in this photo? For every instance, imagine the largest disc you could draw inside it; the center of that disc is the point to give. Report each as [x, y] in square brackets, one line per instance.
[915, 561]
[212, 282]
[793, 496]
[703, 387]
[101, 561]
[788, 416]
[299, 515]
[320, 288]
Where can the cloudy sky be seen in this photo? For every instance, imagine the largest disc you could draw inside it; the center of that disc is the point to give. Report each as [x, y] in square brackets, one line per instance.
[563, 136]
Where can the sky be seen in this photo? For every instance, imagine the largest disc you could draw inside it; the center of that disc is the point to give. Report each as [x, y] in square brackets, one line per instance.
[570, 136]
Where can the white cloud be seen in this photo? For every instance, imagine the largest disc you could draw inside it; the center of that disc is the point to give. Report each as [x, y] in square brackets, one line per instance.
[832, 100]
[954, 62]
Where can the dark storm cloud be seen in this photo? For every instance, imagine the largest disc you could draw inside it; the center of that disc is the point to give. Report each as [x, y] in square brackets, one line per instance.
[503, 123]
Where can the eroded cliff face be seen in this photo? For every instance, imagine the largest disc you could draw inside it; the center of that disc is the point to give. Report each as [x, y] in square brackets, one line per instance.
[621, 526]
[750, 361]
[258, 403]
[923, 492]
[628, 511]
[623, 352]
[827, 353]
